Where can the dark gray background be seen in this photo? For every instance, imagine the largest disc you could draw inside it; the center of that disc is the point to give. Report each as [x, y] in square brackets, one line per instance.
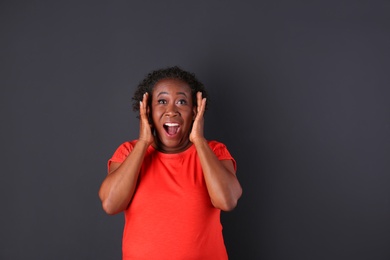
[299, 94]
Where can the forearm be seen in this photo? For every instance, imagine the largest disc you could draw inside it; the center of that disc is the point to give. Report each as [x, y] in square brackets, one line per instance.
[221, 181]
[118, 188]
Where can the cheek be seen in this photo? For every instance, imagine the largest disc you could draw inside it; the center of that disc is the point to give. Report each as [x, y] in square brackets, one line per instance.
[153, 115]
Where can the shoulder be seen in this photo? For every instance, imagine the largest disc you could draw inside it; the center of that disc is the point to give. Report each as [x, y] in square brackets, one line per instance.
[221, 151]
[216, 144]
[125, 148]
[218, 147]
[128, 145]
[122, 152]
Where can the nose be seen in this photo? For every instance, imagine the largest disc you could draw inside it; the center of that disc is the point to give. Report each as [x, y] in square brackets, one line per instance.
[171, 110]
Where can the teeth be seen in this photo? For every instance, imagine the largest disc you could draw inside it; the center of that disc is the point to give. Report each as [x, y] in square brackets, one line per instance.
[171, 124]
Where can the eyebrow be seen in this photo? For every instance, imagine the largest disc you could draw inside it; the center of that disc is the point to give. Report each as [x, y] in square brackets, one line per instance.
[166, 93]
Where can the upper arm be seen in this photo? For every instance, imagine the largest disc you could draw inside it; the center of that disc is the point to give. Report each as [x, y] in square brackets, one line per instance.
[228, 164]
[113, 166]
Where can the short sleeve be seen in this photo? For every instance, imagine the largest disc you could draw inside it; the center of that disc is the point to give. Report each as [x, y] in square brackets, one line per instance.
[121, 153]
[222, 153]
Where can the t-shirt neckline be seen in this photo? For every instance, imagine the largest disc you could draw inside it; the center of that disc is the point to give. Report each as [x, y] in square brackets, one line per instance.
[171, 155]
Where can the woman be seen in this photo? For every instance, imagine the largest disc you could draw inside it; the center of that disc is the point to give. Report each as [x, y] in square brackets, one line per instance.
[171, 182]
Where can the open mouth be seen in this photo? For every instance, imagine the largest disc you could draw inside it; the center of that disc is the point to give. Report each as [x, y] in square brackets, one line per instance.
[171, 128]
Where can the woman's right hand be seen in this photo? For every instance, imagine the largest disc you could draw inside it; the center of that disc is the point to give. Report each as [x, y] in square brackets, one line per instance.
[119, 186]
[145, 133]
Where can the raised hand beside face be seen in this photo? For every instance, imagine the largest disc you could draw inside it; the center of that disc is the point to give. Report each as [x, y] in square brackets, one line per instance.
[145, 133]
[197, 131]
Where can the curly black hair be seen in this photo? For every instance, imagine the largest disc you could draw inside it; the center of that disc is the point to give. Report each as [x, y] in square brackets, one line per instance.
[148, 83]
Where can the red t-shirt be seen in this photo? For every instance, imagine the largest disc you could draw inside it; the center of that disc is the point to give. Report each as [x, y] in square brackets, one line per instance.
[171, 215]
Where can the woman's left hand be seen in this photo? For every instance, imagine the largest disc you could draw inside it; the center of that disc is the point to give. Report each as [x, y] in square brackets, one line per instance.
[220, 175]
[198, 125]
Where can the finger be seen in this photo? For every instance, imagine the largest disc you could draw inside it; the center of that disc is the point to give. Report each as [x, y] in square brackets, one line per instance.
[146, 96]
[202, 107]
[201, 104]
[199, 100]
[143, 104]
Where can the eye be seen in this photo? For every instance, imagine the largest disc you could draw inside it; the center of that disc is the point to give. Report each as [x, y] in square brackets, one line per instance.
[161, 101]
[182, 102]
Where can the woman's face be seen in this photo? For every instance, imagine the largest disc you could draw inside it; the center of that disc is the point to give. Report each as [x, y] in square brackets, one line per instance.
[172, 113]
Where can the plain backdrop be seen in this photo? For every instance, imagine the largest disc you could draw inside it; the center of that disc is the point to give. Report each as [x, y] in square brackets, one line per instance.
[299, 93]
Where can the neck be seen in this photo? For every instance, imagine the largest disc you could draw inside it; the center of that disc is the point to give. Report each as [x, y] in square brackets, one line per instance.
[159, 146]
